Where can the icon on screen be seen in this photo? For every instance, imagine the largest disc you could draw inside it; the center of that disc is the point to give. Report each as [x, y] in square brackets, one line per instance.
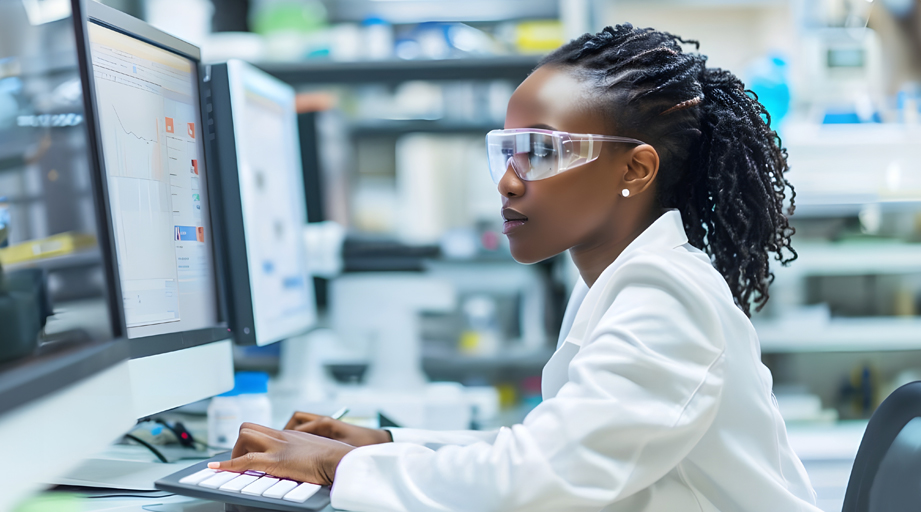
[188, 233]
[200, 233]
[195, 165]
[192, 130]
[169, 125]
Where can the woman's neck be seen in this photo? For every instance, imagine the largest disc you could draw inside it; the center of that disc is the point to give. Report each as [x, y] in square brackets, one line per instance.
[593, 257]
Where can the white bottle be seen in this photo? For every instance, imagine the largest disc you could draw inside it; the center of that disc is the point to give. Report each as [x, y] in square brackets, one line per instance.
[224, 419]
[252, 397]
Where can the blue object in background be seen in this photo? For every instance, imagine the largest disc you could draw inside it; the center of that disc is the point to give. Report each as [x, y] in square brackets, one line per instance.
[768, 78]
[847, 117]
[245, 383]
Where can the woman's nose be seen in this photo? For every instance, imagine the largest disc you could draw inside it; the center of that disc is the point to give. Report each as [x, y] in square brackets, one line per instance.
[511, 185]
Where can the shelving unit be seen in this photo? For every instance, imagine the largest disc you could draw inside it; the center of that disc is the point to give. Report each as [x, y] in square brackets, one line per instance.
[788, 332]
[853, 258]
[396, 128]
[838, 169]
[841, 335]
[511, 67]
[86, 258]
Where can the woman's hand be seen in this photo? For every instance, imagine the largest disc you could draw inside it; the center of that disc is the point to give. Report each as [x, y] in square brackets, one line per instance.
[285, 454]
[338, 430]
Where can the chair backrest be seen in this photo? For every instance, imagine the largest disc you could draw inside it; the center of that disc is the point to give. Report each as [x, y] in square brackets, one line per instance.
[886, 476]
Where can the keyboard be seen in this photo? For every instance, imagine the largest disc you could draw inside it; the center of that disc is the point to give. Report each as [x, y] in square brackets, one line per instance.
[249, 489]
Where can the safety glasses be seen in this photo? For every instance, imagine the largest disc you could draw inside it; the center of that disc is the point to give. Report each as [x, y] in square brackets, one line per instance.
[539, 154]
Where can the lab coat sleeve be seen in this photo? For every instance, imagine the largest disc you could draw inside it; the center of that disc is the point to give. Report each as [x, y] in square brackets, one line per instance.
[435, 439]
[642, 391]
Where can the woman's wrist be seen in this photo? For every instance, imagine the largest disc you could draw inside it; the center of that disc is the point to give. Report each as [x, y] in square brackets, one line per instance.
[385, 436]
[332, 464]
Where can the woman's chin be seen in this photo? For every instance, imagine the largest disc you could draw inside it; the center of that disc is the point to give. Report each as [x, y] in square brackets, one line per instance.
[526, 254]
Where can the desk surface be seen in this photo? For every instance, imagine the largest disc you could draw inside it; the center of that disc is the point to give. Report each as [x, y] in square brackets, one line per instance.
[168, 504]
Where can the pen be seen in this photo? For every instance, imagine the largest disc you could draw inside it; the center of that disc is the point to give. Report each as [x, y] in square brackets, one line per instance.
[340, 413]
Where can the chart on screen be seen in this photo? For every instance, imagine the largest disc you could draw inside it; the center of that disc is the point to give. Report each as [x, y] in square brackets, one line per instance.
[133, 124]
[146, 100]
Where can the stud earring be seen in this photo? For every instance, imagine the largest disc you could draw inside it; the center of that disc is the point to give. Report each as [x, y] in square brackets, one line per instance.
[625, 193]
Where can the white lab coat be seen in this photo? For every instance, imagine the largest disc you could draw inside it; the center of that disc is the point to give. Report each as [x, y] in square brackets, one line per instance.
[655, 400]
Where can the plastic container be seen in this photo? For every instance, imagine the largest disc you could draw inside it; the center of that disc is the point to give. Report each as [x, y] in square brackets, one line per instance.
[224, 419]
[253, 398]
[248, 401]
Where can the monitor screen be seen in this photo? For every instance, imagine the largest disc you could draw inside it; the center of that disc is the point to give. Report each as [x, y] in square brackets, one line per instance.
[273, 206]
[147, 104]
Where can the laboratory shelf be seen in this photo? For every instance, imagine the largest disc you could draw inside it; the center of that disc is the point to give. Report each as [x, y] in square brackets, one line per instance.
[837, 169]
[510, 67]
[853, 258]
[86, 258]
[401, 127]
[435, 360]
[840, 335]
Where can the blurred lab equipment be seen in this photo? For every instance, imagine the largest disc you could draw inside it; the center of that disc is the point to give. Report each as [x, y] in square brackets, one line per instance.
[844, 75]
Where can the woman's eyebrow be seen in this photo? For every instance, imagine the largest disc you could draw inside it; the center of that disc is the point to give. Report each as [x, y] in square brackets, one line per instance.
[543, 127]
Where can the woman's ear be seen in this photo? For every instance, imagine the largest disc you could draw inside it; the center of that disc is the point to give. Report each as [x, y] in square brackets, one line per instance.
[642, 167]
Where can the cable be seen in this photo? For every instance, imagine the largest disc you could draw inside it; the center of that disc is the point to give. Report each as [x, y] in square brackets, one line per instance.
[178, 429]
[149, 496]
[148, 446]
[182, 434]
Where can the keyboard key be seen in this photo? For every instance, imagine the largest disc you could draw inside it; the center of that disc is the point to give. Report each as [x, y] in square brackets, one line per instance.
[302, 493]
[196, 478]
[221, 478]
[259, 486]
[280, 489]
[238, 483]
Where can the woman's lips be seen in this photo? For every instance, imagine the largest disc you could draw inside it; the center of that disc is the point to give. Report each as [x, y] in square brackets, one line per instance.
[511, 225]
[513, 220]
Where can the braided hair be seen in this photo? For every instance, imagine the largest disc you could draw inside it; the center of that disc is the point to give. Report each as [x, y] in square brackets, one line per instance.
[721, 164]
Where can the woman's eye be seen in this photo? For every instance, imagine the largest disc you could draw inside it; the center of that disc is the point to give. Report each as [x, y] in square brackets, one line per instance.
[541, 150]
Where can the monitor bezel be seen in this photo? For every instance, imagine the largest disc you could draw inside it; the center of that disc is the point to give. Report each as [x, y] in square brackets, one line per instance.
[122, 23]
[227, 81]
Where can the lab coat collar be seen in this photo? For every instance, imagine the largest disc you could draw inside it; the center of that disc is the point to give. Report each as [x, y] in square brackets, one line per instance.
[666, 232]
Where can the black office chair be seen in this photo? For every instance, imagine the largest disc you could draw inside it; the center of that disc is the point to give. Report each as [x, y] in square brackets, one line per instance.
[886, 476]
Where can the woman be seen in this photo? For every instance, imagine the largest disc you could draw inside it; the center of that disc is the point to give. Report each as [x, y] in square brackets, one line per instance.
[666, 184]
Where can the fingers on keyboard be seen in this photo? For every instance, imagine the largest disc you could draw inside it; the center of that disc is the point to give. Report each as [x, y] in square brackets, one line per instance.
[197, 478]
[252, 483]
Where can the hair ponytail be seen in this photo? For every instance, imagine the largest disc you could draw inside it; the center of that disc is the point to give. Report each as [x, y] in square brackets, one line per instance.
[722, 166]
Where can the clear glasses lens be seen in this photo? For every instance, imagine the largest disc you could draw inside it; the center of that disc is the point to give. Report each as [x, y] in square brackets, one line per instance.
[532, 155]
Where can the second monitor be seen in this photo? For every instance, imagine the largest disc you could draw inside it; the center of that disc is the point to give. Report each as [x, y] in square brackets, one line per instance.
[262, 203]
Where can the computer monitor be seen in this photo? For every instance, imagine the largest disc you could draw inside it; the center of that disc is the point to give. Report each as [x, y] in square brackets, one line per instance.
[64, 379]
[147, 107]
[270, 290]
